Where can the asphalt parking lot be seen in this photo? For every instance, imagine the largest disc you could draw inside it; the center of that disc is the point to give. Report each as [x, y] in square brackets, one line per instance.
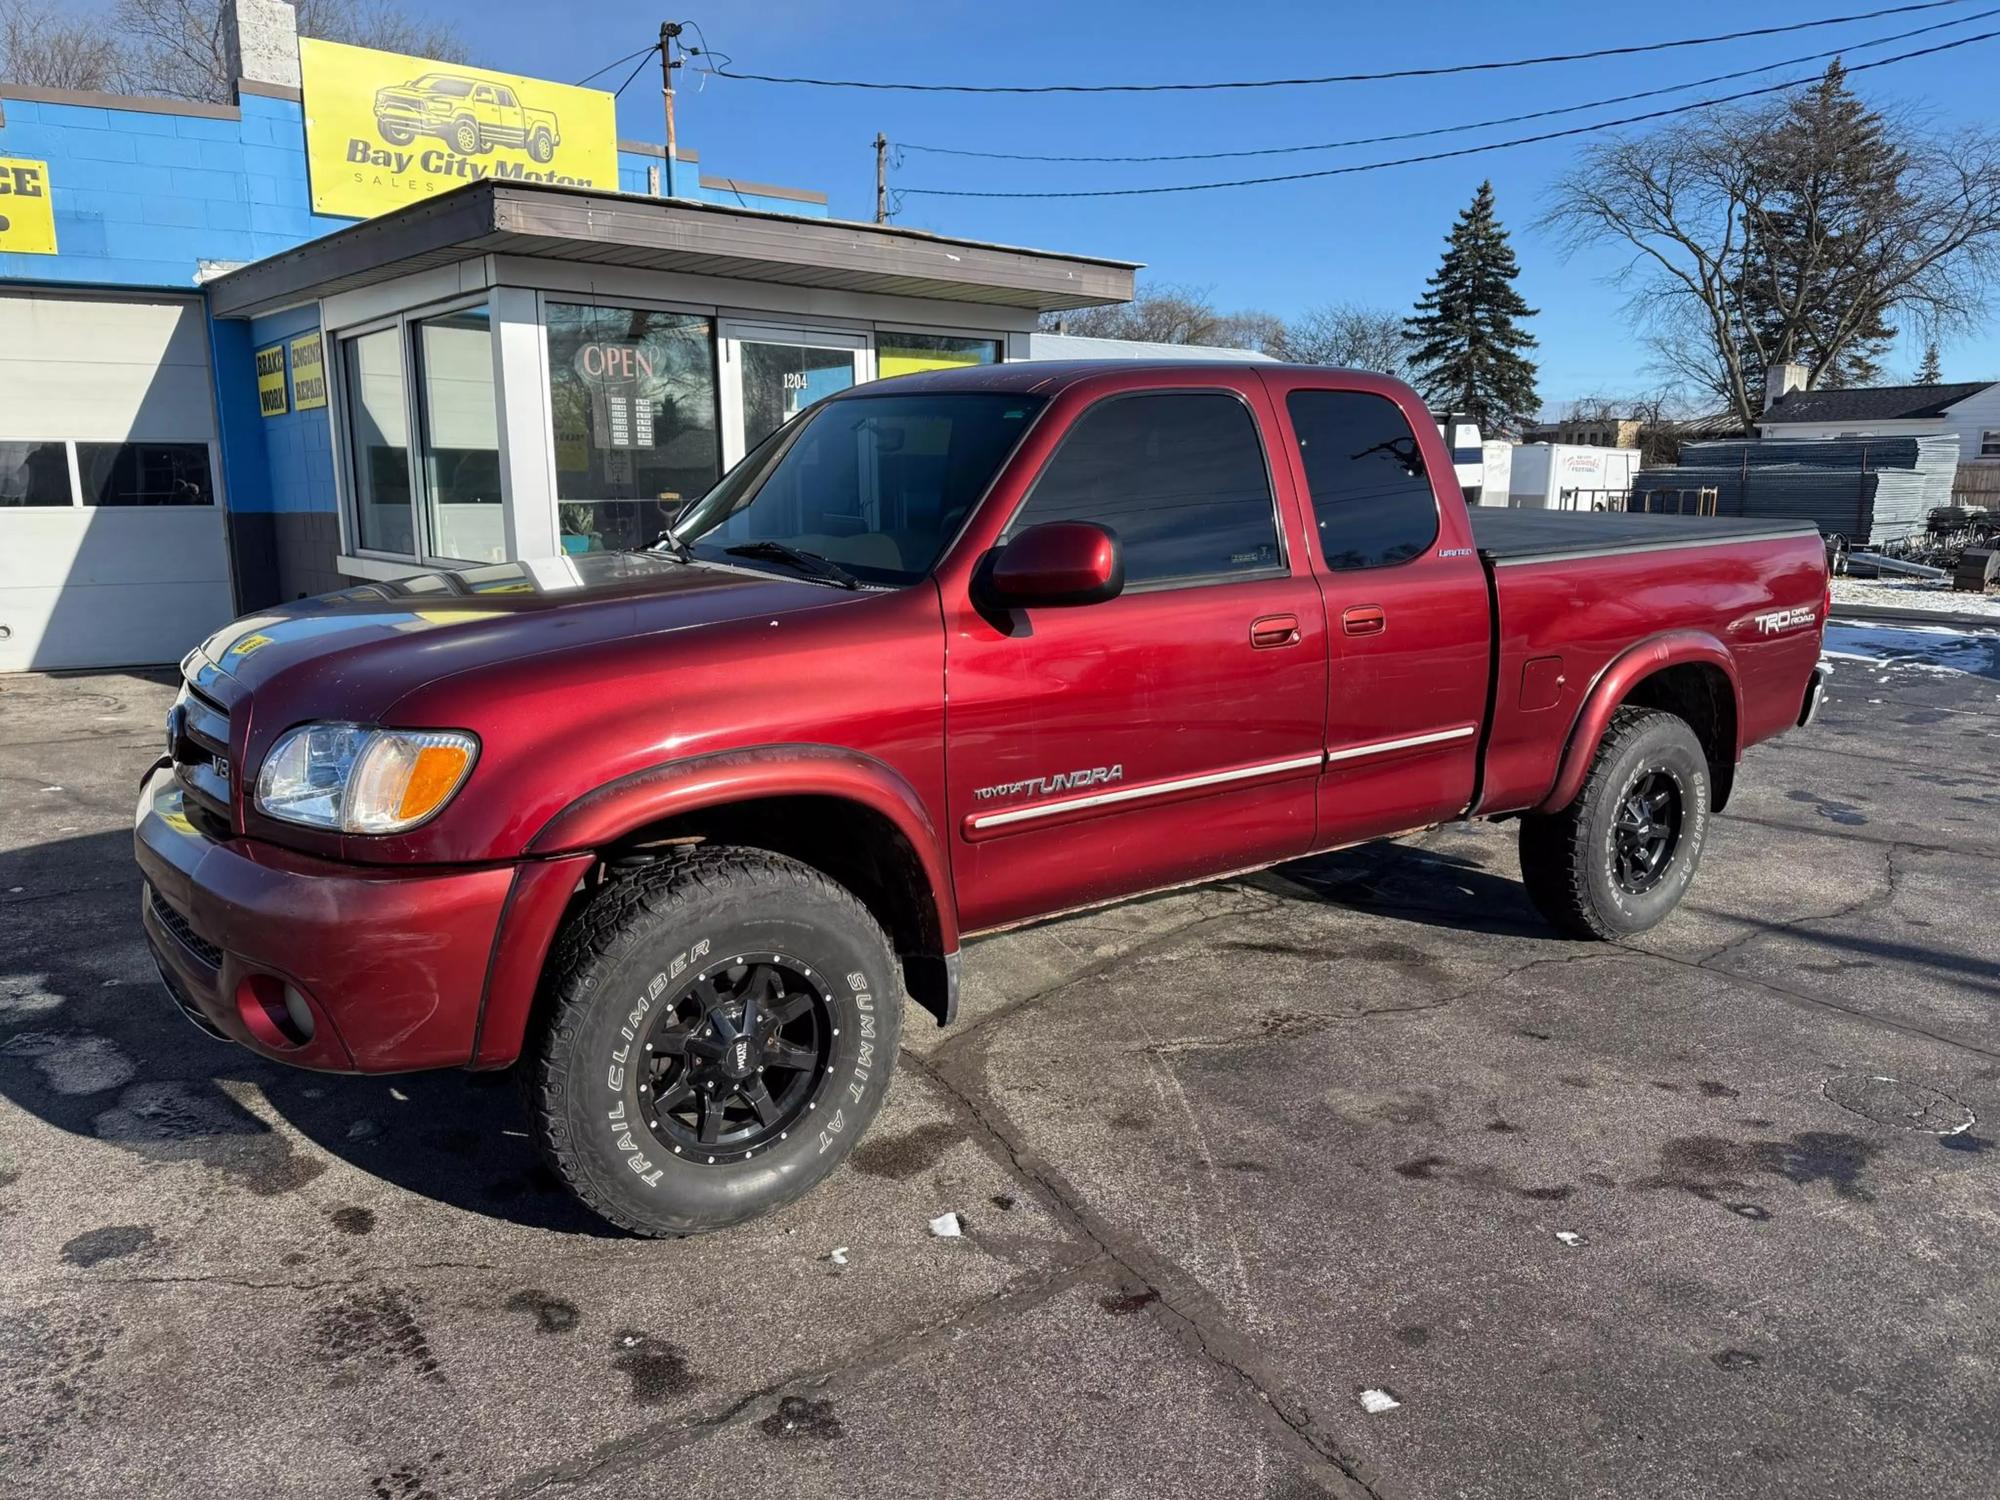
[1347, 1179]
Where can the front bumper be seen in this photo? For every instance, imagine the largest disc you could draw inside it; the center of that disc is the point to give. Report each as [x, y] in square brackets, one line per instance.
[392, 965]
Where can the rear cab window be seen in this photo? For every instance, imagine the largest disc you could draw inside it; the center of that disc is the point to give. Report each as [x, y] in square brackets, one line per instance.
[1373, 505]
[1179, 477]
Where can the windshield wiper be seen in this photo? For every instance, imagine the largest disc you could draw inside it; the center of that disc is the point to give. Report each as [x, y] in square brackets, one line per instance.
[805, 562]
[673, 546]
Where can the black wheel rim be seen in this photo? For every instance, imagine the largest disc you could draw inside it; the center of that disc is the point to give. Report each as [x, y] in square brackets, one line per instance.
[1646, 831]
[737, 1059]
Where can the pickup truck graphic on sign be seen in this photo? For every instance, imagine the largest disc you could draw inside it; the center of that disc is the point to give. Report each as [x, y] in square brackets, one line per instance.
[471, 116]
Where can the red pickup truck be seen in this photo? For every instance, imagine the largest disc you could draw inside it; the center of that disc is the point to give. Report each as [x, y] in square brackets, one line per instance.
[677, 830]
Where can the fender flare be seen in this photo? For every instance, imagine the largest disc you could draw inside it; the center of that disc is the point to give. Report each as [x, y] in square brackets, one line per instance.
[1674, 648]
[610, 812]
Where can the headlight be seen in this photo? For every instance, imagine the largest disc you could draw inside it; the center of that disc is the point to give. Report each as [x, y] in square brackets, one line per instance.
[354, 779]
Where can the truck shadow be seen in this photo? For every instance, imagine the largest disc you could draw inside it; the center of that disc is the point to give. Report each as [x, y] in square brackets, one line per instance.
[91, 1044]
[1427, 886]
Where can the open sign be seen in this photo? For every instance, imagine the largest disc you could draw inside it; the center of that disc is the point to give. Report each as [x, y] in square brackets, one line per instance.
[609, 363]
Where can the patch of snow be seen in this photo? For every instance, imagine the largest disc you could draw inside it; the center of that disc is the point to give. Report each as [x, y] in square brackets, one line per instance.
[26, 995]
[947, 1227]
[838, 1255]
[1571, 1238]
[1375, 1401]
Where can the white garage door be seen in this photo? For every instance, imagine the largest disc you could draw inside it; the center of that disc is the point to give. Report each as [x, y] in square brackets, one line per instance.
[112, 544]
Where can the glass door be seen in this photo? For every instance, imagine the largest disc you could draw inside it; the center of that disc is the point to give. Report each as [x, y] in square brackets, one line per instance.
[770, 375]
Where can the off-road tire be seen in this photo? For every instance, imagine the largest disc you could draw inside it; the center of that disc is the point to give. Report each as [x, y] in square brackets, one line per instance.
[466, 138]
[1567, 857]
[542, 146]
[639, 938]
[396, 135]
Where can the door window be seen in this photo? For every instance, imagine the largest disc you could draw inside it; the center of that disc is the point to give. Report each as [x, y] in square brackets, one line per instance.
[1179, 477]
[782, 380]
[1372, 501]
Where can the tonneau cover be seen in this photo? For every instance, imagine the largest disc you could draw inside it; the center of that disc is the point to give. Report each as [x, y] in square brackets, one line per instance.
[1518, 536]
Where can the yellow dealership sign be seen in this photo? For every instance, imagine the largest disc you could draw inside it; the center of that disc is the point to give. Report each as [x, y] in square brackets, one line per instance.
[384, 130]
[27, 212]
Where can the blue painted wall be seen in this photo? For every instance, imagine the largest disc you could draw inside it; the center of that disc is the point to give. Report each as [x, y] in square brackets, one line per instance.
[142, 197]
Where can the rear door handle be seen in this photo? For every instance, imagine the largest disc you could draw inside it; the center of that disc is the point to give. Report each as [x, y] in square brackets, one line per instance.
[1364, 619]
[1274, 630]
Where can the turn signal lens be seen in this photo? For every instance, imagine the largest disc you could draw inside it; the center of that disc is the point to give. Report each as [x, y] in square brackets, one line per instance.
[402, 778]
[355, 779]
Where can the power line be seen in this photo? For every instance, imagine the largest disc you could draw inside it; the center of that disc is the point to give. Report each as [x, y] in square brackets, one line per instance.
[644, 58]
[1406, 161]
[616, 61]
[1273, 83]
[1413, 135]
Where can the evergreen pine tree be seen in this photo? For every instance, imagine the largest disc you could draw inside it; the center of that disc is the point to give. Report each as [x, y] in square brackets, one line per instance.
[1931, 371]
[1467, 331]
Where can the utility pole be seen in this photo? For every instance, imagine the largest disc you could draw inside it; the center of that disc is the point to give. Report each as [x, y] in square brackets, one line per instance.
[669, 31]
[881, 178]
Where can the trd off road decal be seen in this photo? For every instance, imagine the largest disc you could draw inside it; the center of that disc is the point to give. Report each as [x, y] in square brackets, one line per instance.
[614, 1075]
[1779, 621]
[1042, 786]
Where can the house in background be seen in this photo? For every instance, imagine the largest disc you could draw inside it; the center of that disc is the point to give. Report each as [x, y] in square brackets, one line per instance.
[1970, 411]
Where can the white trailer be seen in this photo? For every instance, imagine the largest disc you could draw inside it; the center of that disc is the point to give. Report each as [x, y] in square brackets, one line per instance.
[1569, 476]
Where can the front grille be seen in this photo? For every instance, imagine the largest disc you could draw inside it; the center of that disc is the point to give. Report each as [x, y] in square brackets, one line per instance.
[198, 741]
[185, 934]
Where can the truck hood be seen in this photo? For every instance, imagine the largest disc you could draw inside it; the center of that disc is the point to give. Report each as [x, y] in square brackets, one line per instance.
[373, 642]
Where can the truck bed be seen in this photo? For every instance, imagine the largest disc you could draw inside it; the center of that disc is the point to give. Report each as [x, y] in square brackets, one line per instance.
[1520, 536]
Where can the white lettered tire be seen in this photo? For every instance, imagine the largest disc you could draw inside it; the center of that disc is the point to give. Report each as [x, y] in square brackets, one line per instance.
[745, 974]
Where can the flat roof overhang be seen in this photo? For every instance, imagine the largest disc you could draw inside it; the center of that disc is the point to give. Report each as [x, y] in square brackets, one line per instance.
[618, 229]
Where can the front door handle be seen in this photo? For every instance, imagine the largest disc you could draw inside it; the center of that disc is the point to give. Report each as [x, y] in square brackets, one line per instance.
[1364, 619]
[1274, 630]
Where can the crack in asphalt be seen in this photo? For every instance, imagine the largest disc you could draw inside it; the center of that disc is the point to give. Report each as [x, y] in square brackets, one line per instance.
[1195, 1316]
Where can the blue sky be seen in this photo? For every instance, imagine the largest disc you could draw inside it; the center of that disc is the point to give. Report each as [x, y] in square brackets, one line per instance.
[1371, 238]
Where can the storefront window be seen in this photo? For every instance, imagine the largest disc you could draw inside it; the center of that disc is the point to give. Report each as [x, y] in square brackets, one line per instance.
[633, 403]
[910, 353]
[461, 453]
[378, 424]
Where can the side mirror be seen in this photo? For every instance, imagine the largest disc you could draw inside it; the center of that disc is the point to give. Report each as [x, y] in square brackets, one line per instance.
[1056, 563]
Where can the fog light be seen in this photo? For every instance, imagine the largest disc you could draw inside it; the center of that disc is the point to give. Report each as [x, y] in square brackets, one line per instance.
[275, 1014]
[299, 1013]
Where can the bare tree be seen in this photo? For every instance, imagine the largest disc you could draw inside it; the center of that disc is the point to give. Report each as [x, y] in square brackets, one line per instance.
[1761, 236]
[1162, 314]
[177, 48]
[1349, 334]
[38, 47]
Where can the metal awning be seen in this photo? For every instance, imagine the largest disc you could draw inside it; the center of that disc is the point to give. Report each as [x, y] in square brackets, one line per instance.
[557, 223]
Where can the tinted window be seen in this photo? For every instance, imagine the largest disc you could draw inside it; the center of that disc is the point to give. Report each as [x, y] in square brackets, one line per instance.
[1179, 478]
[144, 473]
[1371, 497]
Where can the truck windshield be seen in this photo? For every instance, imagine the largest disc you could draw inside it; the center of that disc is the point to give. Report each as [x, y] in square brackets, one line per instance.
[877, 484]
